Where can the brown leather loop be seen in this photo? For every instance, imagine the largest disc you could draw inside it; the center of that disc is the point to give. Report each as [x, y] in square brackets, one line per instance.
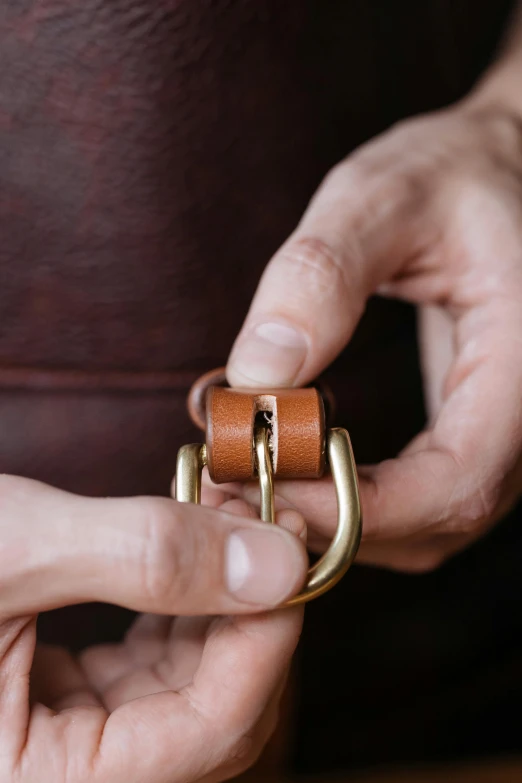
[294, 417]
[196, 400]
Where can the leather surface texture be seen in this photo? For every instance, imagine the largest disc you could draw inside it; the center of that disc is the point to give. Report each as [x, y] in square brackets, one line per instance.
[294, 417]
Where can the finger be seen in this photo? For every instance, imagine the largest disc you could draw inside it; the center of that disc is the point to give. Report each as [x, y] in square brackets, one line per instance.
[148, 662]
[437, 350]
[292, 520]
[452, 477]
[144, 646]
[184, 651]
[106, 664]
[58, 680]
[351, 238]
[17, 645]
[209, 722]
[413, 555]
[289, 519]
[264, 644]
[255, 743]
[146, 638]
[147, 554]
[174, 668]
[263, 648]
[316, 500]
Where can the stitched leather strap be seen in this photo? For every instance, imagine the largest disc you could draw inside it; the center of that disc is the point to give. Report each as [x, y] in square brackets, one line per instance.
[295, 418]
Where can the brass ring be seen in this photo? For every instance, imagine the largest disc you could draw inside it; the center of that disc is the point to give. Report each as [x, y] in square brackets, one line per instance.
[332, 566]
[337, 559]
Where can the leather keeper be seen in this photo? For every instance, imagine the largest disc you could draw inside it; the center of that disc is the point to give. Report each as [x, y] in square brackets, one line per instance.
[296, 422]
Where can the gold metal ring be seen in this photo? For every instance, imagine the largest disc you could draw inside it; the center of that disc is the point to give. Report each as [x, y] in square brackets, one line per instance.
[337, 559]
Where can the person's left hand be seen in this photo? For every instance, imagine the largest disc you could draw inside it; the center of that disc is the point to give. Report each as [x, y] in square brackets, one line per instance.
[180, 700]
[219, 666]
[430, 212]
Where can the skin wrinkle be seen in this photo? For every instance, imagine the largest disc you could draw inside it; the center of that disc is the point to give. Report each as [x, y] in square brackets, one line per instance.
[466, 509]
[164, 575]
[319, 264]
[11, 648]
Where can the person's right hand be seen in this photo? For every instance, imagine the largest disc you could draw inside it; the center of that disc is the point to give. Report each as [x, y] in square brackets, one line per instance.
[429, 212]
[186, 700]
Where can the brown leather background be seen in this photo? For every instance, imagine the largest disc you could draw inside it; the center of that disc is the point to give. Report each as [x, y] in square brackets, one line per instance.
[153, 155]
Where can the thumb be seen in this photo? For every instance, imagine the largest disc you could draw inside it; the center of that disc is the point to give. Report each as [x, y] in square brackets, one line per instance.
[147, 554]
[314, 289]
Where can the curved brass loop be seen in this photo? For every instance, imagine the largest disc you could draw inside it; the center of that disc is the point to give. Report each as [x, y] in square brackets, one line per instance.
[189, 464]
[332, 566]
[338, 558]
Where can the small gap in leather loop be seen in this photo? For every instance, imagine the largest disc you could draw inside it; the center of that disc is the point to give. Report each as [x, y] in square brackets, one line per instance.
[267, 404]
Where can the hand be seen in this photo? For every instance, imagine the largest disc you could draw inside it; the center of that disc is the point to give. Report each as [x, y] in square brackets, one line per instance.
[430, 212]
[180, 700]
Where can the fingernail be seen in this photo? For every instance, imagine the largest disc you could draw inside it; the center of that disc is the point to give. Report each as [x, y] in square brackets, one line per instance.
[270, 355]
[263, 567]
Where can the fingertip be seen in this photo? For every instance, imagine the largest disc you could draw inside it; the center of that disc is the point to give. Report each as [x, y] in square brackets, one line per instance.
[268, 353]
[265, 565]
[293, 521]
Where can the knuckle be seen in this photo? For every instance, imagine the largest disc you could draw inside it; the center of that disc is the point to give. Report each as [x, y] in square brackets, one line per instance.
[474, 507]
[166, 554]
[473, 499]
[317, 263]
